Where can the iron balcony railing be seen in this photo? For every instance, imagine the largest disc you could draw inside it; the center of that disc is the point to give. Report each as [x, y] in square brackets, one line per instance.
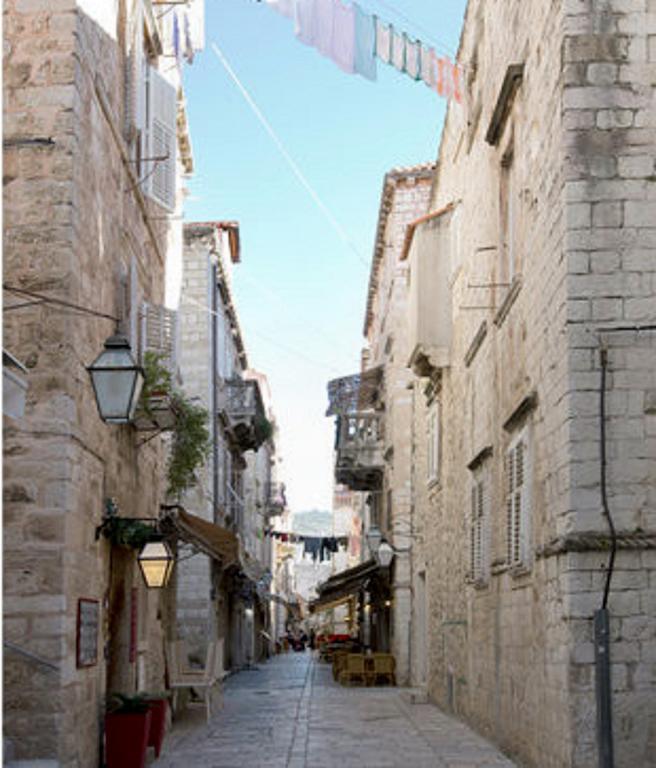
[359, 447]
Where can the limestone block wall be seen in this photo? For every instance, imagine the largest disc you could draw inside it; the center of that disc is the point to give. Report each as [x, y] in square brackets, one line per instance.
[195, 613]
[406, 194]
[514, 655]
[497, 652]
[71, 225]
[609, 133]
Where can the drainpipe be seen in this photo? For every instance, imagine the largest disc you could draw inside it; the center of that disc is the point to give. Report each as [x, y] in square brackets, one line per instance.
[602, 616]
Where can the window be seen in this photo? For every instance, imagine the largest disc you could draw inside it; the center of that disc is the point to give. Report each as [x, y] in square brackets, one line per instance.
[433, 443]
[479, 529]
[518, 502]
[161, 140]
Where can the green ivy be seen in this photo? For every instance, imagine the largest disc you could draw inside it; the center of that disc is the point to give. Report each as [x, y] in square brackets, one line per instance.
[125, 532]
[190, 443]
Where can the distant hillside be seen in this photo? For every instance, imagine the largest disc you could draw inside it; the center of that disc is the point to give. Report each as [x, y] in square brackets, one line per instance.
[313, 522]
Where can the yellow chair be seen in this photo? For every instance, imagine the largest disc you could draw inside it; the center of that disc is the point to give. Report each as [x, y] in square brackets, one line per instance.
[384, 668]
[339, 663]
[354, 670]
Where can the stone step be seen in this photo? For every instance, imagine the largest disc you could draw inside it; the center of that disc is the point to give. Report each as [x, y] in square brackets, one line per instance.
[44, 763]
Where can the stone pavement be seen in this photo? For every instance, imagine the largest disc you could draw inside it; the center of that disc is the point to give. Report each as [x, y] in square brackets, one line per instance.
[288, 713]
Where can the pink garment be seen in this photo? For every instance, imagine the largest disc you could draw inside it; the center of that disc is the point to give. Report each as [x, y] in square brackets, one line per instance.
[283, 7]
[383, 41]
[324, 20]
[305, 21]
[344, 37]
[428, 67]
[398, 50]
[413, 58]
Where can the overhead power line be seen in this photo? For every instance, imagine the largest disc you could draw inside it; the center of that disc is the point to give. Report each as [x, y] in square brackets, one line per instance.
[339, 229]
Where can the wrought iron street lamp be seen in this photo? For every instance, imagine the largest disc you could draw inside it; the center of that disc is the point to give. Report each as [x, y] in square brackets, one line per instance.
[116, 380]
[156, 562]
[385, 554]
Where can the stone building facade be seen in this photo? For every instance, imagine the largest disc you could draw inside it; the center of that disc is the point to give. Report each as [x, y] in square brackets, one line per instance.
[83, 225]
[373, 453]
[523, 286]
[219, 599]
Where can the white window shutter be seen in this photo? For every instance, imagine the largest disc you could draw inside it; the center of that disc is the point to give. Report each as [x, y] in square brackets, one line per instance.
[161, 142]
[159, 334]
[509, 505]
[525, 510]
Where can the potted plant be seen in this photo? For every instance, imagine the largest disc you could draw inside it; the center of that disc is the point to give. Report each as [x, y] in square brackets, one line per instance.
[127, 728]
[158, 703]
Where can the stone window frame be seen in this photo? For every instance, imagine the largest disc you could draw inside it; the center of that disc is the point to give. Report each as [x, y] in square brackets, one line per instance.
[433, 443]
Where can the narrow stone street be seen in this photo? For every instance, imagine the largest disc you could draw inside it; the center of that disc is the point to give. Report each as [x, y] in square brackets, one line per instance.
[289, 713]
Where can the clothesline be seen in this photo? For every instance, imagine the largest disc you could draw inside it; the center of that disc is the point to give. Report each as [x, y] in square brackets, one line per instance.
[319, 547]
[354, 40]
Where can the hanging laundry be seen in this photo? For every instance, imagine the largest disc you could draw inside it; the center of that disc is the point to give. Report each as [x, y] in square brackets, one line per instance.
[324, 20]
[177, 51]
[413, 58]
[428, 66]
[365, 44]
[305, 19]
[383, 41]
[343, 44]
[188, 51]
[398, 50]
[312, 546]
[283, 7]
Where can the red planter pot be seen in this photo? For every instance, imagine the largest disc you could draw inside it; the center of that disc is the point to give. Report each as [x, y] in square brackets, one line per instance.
[126, 739]
[157, 724]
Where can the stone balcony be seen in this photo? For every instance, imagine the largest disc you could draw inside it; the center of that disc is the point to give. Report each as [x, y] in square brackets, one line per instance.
[360, 446]
[240, 404]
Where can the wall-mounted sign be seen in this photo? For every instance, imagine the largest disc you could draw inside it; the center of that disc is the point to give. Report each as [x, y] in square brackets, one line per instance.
[88, 619]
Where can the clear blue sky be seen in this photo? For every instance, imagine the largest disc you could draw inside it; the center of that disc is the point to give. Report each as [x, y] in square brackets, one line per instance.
[300, 289]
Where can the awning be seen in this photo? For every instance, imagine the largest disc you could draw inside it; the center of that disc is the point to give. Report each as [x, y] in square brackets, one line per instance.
[215, 541]
[345, 583]
[351, 394]
[318, 605]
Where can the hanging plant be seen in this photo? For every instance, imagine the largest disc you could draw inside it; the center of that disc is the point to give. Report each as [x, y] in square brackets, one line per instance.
[190, 444]
[124, 532]
[264, 429]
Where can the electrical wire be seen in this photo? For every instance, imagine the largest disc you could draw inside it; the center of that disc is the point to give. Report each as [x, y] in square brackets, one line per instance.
[285, 347]
[328, 214]
[604, 490]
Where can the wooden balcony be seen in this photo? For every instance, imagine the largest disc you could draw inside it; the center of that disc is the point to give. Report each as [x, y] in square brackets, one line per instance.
[360, 447]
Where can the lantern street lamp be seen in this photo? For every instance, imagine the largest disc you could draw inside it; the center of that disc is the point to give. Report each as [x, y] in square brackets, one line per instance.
[374, 538]
[156, 563]
[385, 554]
[116, 380]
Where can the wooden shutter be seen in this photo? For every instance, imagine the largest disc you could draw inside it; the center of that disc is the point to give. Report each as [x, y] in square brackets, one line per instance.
[509, 505]
[160, 174]
[159, 334]
[133, 307]
[524, 512]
